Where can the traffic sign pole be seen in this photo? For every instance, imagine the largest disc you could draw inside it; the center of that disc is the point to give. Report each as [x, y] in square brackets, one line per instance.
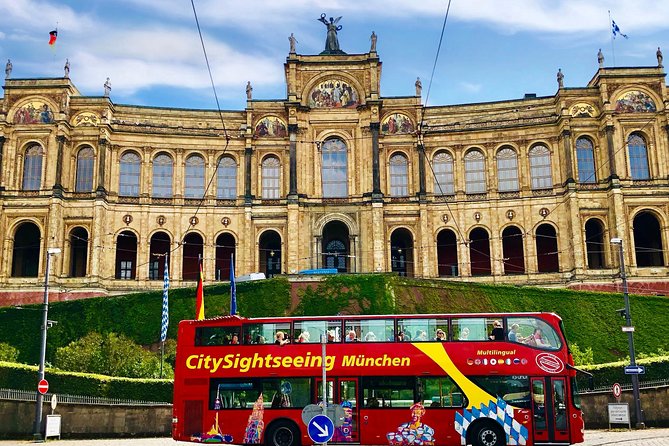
[324, 340]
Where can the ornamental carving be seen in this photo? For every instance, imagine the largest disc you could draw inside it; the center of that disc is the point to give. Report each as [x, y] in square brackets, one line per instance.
[270, 126]
[127, 219]
[86, 119]
[161, 220]
[635, 101]
[333, 93]
[544, 212]
[225, 221]
[397, 123]
[583, 110]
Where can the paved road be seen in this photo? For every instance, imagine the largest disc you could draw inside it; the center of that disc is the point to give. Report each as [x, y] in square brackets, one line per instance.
[648, 437]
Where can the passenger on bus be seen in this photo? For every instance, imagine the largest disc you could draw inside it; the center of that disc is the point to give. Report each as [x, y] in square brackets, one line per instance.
[304, 337]
[537, 339]
[513, 334]
[370, 337]
[235, 339]
[351, 336]
[331, 336]
[464, 334]
[422, 336]
[260, 339]
[497, 333]
[281, 338]
[400, 336]
[440, 335]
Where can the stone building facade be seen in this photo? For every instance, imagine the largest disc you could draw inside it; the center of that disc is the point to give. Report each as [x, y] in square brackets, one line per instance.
[526, 191]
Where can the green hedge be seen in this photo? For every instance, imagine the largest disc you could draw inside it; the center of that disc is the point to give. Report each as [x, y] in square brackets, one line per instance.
[614, 372]
[590, 318]
[24, 377]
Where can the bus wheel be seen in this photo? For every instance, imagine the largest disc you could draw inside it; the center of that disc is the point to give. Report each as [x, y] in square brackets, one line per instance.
[282, 433]
[488, 434]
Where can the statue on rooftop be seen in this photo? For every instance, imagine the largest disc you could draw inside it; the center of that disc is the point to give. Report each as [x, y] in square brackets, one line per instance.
[659, 57]
[292, 41]
[373, 39]
[419, 87]
[67, 68]
[560, 78]
[8, 69]
[600, 58]
[249, 90]
[331, 42]
[107, 87]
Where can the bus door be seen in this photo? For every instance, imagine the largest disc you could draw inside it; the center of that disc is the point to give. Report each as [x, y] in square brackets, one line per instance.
[549, 409]
[343, 392]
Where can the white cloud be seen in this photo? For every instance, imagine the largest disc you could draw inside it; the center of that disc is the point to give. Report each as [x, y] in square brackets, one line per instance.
[470, 87]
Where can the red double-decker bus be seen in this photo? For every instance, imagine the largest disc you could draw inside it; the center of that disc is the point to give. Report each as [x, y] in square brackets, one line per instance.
[482, 379]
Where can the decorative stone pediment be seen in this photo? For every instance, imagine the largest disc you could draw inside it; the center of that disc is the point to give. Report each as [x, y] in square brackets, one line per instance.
[86, 119]
[583, 110]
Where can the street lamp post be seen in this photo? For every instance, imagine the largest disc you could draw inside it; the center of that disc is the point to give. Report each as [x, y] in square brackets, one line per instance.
[630, 335]
[37, 427]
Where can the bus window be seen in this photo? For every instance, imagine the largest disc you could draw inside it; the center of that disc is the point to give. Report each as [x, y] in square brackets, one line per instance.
[281, 393]
[310, 331]
[421, 330]
[370, 330]
[440, 392]
[515, 389]
[534, 332]
[390, 391]
[471, 329]
[231, 394]
[265, 333]
[216, 335]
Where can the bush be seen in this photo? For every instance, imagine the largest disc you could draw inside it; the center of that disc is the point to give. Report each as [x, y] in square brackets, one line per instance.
[8, 353]
[110, 354]
[614, 372]
[581, 357]
[24, 377]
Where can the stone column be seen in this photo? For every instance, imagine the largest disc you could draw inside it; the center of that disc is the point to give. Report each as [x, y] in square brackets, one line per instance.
[421, 171]
[102, 161]
[612, 152]
[248, 196]
[58, 187]
[293, 242]
[376, 175]
[292, 134]
[2, 144]
[378, 237]
[566, 140]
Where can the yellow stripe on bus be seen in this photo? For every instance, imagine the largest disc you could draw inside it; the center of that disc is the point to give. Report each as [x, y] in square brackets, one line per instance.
[475, 395]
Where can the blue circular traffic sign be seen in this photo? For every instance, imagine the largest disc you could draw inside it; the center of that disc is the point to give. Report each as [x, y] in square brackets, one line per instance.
[320, 429]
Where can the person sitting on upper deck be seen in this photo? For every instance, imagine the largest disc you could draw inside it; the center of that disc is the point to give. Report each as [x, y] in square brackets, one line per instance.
[440, 335]
[497, 333]
[351, 336]
[280, 338]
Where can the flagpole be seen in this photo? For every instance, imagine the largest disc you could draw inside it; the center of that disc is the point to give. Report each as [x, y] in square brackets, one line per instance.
[613, 37]
[162, 327]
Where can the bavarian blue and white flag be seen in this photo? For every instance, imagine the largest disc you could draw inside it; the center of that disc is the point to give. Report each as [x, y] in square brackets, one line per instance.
[233, 287]
[166, 311]
[616, 30]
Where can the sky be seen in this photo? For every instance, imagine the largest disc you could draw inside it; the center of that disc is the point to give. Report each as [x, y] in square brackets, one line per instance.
[491, 50]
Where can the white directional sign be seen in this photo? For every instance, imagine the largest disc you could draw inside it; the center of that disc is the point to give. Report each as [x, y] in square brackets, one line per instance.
[628, 329]
[635, 370]
[320, 429]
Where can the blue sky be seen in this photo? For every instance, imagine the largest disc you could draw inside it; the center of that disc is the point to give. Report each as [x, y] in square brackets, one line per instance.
[492, 49]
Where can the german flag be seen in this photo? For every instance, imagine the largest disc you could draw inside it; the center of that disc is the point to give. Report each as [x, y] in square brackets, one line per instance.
[53, 35]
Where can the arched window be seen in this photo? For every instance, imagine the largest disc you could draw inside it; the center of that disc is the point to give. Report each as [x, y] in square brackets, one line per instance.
[78, 252]
[447, 253]
[479, 252]
[32, 167]
[540, 167]
[585, 157]
[334, 167]
[401, 252]
[129, 178]
[269, 253]
[475, 172]
[163, 168]
[507, 170]
[194, 179]
[26, 253]
[512, 249]
[638, 154]
[159, 246]
[444, 180]
[85, 165]
[225, 254]
[335, 246]
[226, 179]
[548, 260]
[271, 177]
[594, 243]
[648, 240]
[399, 175]
[126, 255]
[193, 250]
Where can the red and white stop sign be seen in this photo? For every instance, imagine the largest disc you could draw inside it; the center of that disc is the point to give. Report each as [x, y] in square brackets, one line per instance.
[43, 386]
[617, 390]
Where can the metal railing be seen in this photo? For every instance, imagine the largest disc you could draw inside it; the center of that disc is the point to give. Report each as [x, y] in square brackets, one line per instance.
[628, 386]
[27, 395]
